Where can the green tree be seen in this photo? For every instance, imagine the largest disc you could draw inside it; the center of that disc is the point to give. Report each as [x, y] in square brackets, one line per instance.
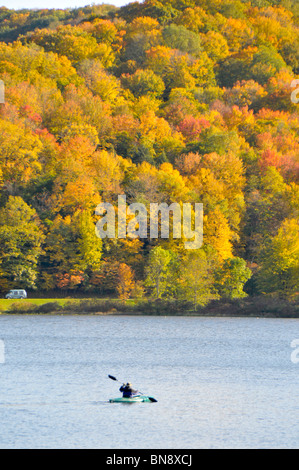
[144, 82]
[231, 277]
[21, 238]
[89, 245]
[196, 279]
[179, 37]
[265, 63]
[279, 271]
[159, 271]
[268, 203]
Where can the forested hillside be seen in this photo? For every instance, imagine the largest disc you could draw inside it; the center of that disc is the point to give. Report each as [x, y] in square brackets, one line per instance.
[163, 101]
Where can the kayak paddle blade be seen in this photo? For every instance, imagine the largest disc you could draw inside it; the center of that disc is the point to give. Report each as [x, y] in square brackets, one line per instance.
[112, 378]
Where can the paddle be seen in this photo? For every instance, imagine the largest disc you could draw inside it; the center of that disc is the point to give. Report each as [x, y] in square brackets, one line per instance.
[153, 400]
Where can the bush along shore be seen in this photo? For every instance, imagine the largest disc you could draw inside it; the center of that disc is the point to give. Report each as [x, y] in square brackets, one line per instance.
[261, 306]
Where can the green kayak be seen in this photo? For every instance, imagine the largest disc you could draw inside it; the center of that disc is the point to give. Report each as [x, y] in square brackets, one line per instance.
[138, 398]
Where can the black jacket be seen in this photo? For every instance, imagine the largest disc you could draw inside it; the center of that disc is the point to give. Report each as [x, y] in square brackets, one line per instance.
[128, 391]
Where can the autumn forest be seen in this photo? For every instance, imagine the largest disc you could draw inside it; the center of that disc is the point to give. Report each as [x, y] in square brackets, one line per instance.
[186, 101]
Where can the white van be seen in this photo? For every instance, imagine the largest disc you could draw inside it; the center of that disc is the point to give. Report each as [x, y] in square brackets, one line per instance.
[16, 294]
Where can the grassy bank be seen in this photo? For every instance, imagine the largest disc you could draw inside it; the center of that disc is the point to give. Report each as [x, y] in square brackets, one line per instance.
[250, 306]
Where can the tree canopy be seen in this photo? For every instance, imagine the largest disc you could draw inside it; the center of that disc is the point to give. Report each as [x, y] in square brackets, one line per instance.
[164, 102]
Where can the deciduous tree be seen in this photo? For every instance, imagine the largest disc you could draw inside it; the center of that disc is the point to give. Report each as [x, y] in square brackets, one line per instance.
[280, 262]
[126, 282]
[159, 271]
[21, 239]
[231, 277]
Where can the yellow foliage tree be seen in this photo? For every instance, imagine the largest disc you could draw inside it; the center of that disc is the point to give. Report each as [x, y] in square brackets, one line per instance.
[126, 281]
[218, 234]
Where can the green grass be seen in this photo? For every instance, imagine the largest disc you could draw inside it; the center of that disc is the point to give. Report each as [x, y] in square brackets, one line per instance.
[65, 305]
[5, 304]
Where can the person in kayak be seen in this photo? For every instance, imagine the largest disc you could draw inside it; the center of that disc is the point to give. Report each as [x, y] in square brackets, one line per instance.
[128, 391]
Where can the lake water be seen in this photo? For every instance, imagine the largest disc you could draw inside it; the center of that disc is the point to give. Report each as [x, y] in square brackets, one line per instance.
[219, 382]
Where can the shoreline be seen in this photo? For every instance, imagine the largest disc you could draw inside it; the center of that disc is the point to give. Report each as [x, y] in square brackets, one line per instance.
[137, 314]
[261, 307]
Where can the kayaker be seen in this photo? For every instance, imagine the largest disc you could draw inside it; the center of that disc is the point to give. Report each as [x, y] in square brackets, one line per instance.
[128, 391]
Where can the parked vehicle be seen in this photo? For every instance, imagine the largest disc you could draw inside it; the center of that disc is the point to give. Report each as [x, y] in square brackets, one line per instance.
[16, 294]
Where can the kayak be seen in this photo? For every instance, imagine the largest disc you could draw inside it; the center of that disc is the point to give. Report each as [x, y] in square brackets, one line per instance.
[138, 398]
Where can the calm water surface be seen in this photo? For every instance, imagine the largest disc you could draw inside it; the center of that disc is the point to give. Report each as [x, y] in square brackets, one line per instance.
[219, 382]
